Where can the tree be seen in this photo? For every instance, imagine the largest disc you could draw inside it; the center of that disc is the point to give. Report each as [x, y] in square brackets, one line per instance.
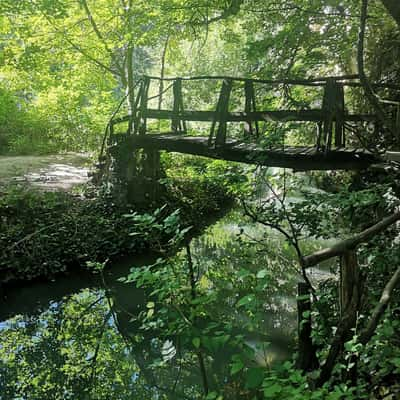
[393, 8]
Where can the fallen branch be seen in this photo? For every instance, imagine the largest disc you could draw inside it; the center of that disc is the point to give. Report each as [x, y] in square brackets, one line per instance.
[30, 235]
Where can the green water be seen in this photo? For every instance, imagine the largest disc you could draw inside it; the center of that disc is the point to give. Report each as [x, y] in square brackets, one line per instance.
[77, 337]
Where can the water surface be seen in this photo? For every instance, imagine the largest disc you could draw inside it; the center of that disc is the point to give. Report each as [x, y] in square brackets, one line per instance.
[79, 338]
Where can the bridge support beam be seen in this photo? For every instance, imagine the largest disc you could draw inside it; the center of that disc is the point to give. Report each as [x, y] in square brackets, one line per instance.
[333, 116]
[144, 187]
[135, 172]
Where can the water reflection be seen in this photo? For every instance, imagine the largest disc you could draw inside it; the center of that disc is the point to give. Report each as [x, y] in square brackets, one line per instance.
[80, 338]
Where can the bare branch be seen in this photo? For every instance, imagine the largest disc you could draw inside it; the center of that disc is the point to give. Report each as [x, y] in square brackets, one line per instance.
[380, 308]
[350, 243]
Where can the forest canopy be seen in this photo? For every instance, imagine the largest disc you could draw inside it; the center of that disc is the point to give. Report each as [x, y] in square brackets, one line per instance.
[306, 259]
[65, 65]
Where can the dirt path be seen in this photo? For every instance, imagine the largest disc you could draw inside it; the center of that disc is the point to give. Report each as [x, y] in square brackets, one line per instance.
[54, 172]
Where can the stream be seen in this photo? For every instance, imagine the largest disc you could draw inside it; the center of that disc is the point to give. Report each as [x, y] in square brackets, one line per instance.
[56, 338]
[78, 337]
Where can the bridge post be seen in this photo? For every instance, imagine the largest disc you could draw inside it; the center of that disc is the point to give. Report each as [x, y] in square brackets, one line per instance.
[250, 106]
[397, 126]
[333, 110]
[221, 114]
[135, 117]
[144, 186]
[339, 113]
[141, 125]
[177, 124]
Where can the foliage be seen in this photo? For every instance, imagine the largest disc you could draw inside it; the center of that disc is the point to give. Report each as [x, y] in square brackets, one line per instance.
[21, 131]
[72, 81]
[55, 355]
[95, 227]
[57, 93]
[200, 185]
[219, 316]
[35, 223]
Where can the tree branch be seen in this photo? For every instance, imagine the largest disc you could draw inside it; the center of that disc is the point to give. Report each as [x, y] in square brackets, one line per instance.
[79, 49]
[344, 325]
[380, 308]
[347, 322]
[89, 57]
[231, 10]
[97, 30]
[350, 243]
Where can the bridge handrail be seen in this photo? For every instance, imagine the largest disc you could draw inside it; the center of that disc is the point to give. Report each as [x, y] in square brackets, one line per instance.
[331, 117]
[318, 81]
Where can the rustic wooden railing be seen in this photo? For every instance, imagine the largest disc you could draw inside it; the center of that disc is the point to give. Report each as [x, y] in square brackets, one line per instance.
[331, 117]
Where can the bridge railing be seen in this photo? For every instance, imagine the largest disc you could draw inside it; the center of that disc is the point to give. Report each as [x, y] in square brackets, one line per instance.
[332, 117]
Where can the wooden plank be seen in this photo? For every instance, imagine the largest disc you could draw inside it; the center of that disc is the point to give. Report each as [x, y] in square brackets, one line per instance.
[311, 150]
[347, 80]
[253, 154]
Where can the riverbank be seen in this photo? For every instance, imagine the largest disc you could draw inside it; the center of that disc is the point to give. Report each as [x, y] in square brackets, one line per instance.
[53, 221]
[46, 233]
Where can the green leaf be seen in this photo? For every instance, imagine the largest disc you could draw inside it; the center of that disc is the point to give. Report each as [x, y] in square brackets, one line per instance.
[196, 342]
[246, 300]
[262, 273]
[254, 377]
[272, 390]
[237, 366]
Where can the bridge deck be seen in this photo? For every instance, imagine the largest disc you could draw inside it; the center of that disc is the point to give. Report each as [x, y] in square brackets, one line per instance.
[297, 158]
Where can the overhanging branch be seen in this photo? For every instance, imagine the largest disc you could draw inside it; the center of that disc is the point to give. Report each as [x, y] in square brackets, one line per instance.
[350, 243]
[231, 10]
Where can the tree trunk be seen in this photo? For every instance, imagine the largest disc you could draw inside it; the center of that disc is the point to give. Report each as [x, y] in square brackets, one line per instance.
[349, 280]
[307, 359]
[130, 86]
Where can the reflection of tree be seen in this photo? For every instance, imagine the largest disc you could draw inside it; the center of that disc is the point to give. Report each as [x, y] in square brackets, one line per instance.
[88, 347]
[170, 379]
[54, 355]
[91, 345]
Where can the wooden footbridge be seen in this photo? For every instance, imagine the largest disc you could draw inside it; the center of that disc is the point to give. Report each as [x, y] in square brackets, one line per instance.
[240, 125]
